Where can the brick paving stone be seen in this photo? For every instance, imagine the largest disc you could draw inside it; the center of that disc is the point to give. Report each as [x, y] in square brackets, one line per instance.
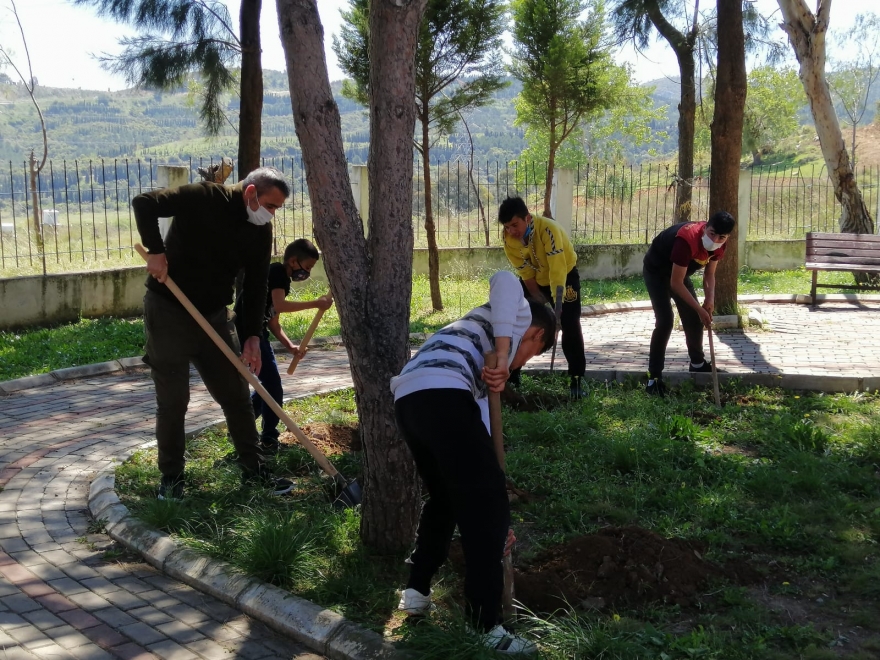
[67, 586]
[29, 636]
[43, 619]
[179, 631]
[170, 650]
[67, 636]
[124, 600]
[114, 617]
[79, 619]
[207, 648]
[142, 633]
[20, 603]
[150, 615]
[91, 652]
[186, 613]
[132, 652]
[52, 652]
[105, 636]
[89, 600]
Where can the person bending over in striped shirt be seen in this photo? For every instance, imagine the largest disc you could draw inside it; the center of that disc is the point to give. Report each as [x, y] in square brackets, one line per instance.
[442, 410]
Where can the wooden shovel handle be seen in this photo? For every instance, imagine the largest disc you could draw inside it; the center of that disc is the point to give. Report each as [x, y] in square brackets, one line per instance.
[497, 430]
[319, 457]
[714, 371]
[305, 341]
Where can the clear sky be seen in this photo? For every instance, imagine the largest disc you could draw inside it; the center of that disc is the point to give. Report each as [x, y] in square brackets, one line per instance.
[62, 39]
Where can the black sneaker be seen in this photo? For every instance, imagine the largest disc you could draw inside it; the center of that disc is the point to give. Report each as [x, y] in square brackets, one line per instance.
[706, 368]
[657, 388]
[575, 389]
[171, 488]
[266, 479]
[270, 448]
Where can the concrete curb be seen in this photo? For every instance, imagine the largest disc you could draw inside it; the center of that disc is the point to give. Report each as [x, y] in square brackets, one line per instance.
[137, 363]
[322, 630]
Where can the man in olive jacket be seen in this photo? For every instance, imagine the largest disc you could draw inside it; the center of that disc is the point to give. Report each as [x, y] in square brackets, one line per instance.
[216, 231]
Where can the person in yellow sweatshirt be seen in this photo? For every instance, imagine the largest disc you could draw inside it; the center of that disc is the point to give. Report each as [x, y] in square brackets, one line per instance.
[542, 256]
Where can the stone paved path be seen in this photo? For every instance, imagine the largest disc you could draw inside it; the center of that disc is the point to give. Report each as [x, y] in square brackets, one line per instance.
[60, 599]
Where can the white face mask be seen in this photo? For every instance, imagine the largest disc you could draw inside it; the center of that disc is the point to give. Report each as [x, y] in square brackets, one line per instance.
[709, 244]
[259, 217]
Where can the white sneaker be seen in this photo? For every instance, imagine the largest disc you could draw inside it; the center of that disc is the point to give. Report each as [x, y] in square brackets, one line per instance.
[504, 642]
[415, 603]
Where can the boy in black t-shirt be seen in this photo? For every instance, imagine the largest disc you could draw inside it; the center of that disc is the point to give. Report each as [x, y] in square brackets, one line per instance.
[299, 259]
[675, 254]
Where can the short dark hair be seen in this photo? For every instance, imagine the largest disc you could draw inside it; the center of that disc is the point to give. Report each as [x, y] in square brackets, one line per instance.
[722, 222]
[264, 178]
[301, 248]
[544, 318]
[512, 207]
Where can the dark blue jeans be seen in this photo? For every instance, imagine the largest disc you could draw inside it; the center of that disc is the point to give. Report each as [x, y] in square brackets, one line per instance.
[271, 380]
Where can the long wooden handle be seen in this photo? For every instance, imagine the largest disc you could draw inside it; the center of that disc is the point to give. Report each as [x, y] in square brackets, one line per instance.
[305, 341]
[508, 609]
[495, 413]
[714, 372]
[319, 457]
[556, 329]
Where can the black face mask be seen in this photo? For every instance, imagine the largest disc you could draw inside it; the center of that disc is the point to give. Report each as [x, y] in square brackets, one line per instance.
[299, 274]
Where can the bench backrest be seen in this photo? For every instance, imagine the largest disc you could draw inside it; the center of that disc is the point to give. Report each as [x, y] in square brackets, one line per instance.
[843, 249]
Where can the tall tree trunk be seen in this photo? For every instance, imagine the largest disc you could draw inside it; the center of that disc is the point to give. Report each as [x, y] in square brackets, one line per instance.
[806, 33]
[687, 112]
[430, 230]
[683, 46]
[551, 165]
[370, 278]
[727, 129]
[251, 108]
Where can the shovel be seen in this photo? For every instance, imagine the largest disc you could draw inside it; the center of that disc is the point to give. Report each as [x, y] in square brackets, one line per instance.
[305, 341]
[350, 491]
[714, 371]
[508, 610]
[556, 332]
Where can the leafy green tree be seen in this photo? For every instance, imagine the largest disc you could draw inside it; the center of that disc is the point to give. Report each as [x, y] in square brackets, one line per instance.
[559, 59]
[605, 134]
[852, 80]
[772, 103]
[458, 68]
[185, 37]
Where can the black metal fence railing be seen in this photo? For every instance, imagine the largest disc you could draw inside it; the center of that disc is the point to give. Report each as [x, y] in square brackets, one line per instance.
[86, 220]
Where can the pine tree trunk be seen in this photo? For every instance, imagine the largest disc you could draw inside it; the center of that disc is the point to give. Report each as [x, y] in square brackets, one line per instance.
[430, 230]
[370, 278]
[683, 47]
[551, 165]
[251, 108]
[687, 112]
[806, 33]
[727, 128]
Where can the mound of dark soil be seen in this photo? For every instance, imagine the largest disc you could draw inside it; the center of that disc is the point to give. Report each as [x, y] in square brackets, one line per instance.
[628, 565]
[329, 438]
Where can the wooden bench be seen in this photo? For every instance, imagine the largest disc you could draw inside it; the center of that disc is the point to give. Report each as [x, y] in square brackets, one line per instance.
[848, 252]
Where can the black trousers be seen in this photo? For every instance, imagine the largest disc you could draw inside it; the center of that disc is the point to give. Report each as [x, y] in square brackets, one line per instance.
[572, 333]
[174, 340]
[455, 457]
[661, 296]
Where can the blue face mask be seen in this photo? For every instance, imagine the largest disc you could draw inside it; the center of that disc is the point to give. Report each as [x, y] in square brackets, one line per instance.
[527, 234]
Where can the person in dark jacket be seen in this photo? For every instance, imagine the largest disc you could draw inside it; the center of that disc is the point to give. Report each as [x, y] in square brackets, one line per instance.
[216, 231]
[675, 254]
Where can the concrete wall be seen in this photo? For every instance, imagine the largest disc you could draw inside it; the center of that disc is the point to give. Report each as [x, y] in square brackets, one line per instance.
[41, 301]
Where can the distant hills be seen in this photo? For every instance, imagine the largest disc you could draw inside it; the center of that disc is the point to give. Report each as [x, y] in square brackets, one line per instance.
[89, 124]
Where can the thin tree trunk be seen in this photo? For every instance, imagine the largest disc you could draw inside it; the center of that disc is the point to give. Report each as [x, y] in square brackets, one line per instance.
[683, 47]
[551, 164]
[35, 203]
[430, 230]
[806, 33]
[687, 112]
[370, 278]
[251, 107]
[727, 128]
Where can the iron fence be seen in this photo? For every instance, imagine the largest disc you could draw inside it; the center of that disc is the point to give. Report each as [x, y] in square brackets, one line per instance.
[86, 220]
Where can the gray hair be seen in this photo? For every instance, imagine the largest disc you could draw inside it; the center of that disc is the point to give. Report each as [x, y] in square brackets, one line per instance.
[265, 178]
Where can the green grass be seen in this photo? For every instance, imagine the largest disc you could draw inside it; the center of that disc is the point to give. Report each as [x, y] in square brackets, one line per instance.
[783, 481]
[30, 352]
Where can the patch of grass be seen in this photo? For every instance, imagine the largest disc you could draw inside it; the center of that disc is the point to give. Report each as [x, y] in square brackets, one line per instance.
[784, 482]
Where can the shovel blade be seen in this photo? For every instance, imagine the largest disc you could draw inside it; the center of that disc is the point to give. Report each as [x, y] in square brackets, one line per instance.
[350, 496]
